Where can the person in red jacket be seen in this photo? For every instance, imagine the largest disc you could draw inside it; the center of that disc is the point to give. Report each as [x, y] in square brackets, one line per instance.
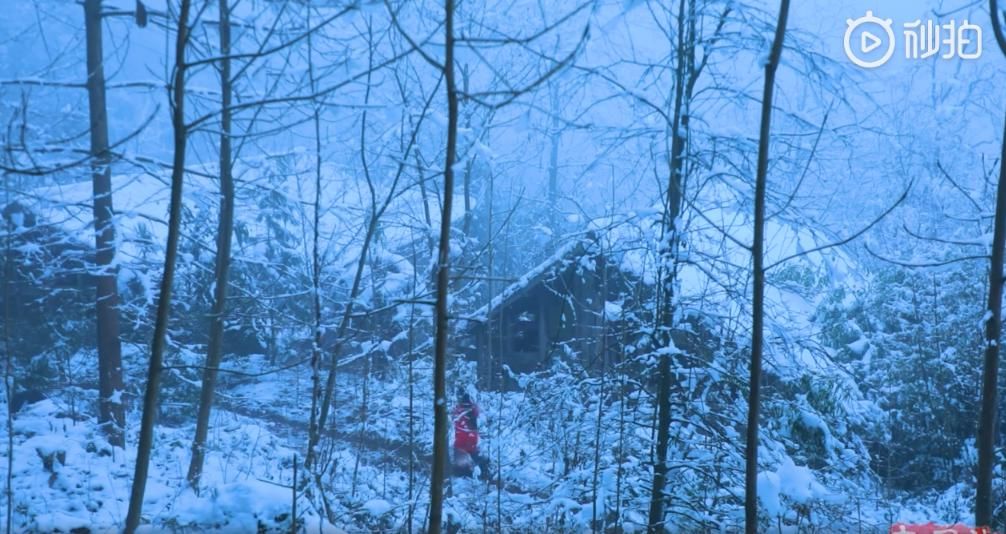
[466, 436]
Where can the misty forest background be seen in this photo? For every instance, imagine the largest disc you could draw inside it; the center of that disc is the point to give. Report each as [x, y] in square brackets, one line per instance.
[246, 243]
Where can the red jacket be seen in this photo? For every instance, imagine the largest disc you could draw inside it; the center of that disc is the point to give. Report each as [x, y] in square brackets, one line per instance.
[466, 430]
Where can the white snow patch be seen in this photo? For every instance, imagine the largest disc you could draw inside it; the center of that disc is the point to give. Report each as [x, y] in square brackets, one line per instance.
[377, 507]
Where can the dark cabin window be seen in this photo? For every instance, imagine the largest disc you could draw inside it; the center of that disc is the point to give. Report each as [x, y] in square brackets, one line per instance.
[525, 333]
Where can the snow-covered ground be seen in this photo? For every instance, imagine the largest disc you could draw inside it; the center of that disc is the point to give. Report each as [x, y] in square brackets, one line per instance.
[66, 476]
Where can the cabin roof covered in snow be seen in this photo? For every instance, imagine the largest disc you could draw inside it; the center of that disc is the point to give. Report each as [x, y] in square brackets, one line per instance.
[577, 247]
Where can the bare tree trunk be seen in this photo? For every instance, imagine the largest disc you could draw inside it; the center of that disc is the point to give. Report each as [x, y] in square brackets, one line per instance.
[443, 281]
[665, 315]
[411, 384]
[293, 499]
[554, 138]
[687, 72]
[656, 519]
[111, 413]
[225, 229]
[362, 434]
[315, 256]
[466, 223]
[146, 442]
[758, 300]
[319, 405]
[8, 275]
[491, 270]
[620, 454]
[993, 328]
[428, 234]
[596, 526]
[364, 164]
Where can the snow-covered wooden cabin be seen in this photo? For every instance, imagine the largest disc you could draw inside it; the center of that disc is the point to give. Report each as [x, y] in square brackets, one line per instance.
[571, 306]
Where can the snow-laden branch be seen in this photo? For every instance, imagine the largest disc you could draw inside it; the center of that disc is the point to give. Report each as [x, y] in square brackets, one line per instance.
[852, 237]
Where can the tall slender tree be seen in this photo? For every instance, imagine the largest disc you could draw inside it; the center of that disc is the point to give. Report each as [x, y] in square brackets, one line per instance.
[8, 380]
[685, 74]
[314, 432]
[993, 327]
[443, 281]
[146, 442]
[111, 412]
[758, 299]
[225, 231]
